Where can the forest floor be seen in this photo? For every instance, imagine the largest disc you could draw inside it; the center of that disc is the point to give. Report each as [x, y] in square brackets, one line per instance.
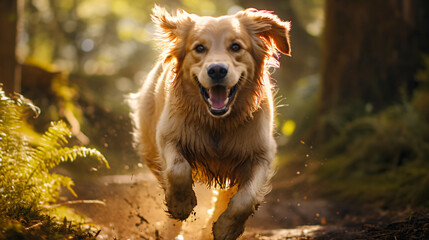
[134, 210]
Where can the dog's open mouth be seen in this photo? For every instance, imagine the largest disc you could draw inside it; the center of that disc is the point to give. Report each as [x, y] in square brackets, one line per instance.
[218, 98]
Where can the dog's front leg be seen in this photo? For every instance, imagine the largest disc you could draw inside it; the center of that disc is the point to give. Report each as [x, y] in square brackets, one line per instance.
[179, 195]
[230, 225]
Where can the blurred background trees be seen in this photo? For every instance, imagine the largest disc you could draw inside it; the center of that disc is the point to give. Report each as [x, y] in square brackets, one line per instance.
[372, 51]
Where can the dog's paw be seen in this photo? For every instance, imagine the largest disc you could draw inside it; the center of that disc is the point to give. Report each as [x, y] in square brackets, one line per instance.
[180, 203]
[227, 228]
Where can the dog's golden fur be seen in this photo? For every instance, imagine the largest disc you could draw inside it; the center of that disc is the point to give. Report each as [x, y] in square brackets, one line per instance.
[180, 131]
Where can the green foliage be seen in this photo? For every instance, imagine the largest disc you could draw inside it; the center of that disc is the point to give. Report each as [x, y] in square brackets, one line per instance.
[379, 157]
[26, 182]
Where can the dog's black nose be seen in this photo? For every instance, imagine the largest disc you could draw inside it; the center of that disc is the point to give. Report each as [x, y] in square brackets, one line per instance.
[217, 71]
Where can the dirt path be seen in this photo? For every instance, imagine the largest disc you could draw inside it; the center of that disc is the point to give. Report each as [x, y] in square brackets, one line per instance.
[135, 210]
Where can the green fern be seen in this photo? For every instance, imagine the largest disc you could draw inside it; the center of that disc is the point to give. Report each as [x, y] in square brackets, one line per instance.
[25, 177]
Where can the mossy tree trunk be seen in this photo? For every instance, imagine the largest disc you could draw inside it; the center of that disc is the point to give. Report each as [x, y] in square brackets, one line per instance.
[9, 68]
[371, 52]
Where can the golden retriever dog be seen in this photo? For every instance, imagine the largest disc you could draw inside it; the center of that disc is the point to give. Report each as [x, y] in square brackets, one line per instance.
[205, 112]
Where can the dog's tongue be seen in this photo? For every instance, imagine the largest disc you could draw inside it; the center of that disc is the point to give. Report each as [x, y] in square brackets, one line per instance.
[218, 96]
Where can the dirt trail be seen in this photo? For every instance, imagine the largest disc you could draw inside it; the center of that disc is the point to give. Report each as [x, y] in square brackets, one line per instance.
[135, 210]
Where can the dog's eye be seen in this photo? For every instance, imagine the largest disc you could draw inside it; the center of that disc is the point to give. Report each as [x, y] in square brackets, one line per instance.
[200, 48]
[235, 47]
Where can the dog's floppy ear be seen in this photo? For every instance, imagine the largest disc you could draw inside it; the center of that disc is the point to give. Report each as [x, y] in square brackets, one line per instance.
[269, 27]
[172, 31]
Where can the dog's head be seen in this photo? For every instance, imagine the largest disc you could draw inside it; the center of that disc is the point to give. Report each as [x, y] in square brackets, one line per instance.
[219, 59]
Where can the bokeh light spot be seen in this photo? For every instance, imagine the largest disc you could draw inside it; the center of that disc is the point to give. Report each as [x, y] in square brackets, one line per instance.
[288, 128]
[87, 45]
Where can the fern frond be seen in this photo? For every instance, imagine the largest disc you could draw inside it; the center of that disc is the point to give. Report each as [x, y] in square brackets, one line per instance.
[66, 182]
[25, 178]
[70, 154]
[55, 137]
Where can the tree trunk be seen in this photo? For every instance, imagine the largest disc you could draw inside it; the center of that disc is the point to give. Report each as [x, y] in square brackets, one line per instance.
[372, 50]
[9, 69]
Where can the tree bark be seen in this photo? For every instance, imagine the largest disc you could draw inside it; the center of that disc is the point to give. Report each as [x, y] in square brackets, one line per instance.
[371, 51]
[8, 28]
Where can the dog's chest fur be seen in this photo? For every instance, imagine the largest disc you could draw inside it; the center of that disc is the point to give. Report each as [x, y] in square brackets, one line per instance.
[220, 158]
